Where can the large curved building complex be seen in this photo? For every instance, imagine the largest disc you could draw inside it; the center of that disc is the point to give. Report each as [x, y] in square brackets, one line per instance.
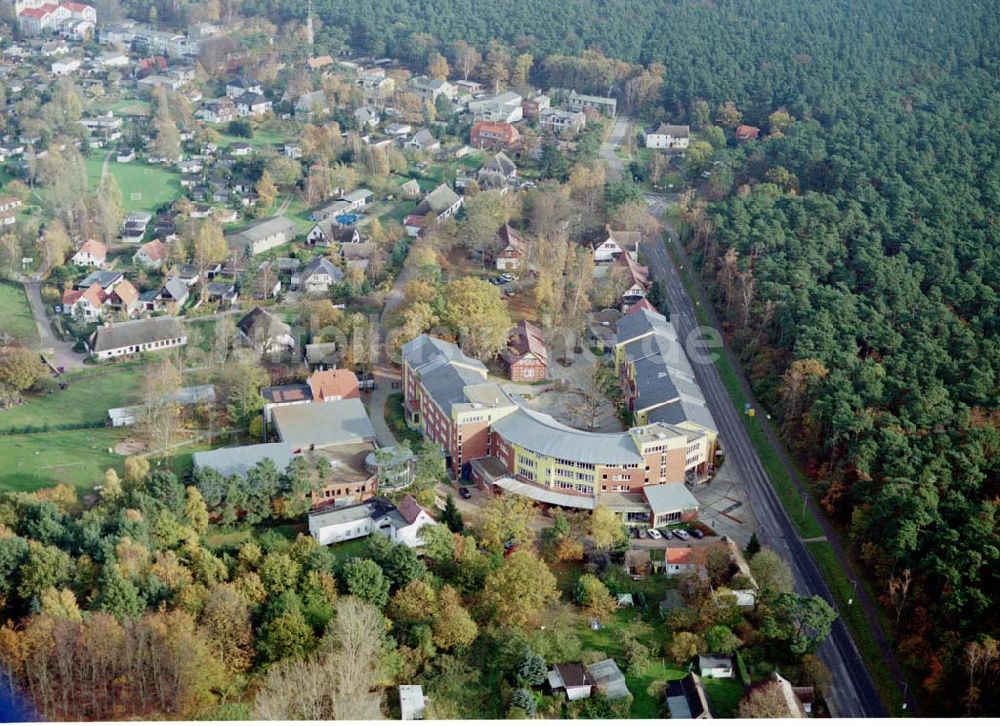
[490, 436]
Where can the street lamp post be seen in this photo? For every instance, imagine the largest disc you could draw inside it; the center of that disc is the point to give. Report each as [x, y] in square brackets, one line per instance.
[850, 600]
[905, 687]
[805, 496]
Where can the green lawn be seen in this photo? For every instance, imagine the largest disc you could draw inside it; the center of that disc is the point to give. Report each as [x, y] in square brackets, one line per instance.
[219, 537]
[643, 704]
[608, 640]
[86, 399]
[262, 139]
[80, 458]
[395, 419]
[724, 696]
[123, 107]
[15, 315]
[144, 187]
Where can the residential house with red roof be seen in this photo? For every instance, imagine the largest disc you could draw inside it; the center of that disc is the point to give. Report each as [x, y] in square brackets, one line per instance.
[92, 253]
[511, 249]
[527, 357]
[333, 385]
[746, 133]
[85, 305]
[493, 135]
[151, 255]
[638, 281]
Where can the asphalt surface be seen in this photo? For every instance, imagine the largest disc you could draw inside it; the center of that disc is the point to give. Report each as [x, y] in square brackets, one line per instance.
[607, 149]
[852, 693]
[58, 352]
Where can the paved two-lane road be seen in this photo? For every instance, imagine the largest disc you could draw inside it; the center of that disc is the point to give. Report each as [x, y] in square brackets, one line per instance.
[852, 692]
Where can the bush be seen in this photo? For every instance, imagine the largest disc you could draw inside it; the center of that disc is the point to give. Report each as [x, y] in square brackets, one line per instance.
[523, 700]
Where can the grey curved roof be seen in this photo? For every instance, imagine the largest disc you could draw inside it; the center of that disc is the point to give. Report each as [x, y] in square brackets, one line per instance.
[542, 434]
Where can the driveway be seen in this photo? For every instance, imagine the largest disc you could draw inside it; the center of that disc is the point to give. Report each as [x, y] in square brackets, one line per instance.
[725, 506]
[385, 379]
[607, 150]
[58, 352]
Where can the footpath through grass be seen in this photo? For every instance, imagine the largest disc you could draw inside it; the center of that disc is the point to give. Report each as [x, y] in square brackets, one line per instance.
[805, 523]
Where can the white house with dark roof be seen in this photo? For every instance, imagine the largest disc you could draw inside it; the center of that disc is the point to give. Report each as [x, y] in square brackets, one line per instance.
[317, 276]
[443, 202]
[263, 235]
[137, 336]
[423, 140]
[428, 89]
[400, 524]
[668, 136]
[265, 333]
[616, 244]
[715, 665]
[328, 232]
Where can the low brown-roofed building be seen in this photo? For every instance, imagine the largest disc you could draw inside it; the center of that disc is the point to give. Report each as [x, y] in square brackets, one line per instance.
[526, 357]
[320, 61]
[493, 135]
[745, 132]
[572, 678]
[334, 385]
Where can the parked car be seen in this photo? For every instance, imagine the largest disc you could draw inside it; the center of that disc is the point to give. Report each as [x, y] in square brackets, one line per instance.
[633, 532]
[642, 534]
[697, 533]
[682, 534]
[654, 534]
[464, 493]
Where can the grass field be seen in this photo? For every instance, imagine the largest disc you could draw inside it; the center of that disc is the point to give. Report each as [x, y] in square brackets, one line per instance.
[124, 107]
[154, 185]
[724, 696]
[262, 139]
[79, 458]
[86, 399]
[15, 315]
